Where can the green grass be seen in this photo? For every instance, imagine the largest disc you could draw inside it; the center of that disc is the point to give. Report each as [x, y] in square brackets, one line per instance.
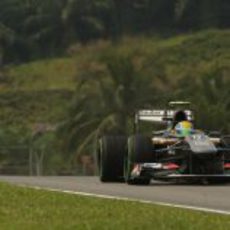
[29, 107]
[24, 208]
[50, 74]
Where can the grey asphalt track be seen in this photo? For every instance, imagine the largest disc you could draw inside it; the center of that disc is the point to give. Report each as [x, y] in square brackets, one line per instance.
[203, 196]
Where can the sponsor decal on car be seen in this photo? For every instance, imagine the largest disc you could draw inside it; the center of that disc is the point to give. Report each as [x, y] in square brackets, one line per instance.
[136, 170]
[227, 166]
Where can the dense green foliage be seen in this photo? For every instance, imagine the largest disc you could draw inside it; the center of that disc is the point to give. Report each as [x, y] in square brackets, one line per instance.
[23, 208]
[30, 29]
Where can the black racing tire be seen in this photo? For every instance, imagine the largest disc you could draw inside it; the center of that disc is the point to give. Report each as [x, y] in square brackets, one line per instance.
[111, 151]
[140, 150]
[218, 181]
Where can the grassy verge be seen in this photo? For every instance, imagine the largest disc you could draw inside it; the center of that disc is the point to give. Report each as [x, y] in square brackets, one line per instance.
[23, 208]
[49, 74]
[29, 107]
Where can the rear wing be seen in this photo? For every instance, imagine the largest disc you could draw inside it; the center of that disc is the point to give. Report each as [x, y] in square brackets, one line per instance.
[160, 116]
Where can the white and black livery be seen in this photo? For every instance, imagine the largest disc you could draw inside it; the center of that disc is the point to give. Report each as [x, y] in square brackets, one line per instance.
[169, 154]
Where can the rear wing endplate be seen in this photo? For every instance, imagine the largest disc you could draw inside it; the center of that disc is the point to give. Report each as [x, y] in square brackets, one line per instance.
[160, 116]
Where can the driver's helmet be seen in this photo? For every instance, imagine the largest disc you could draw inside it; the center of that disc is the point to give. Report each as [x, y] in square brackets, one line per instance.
[184, 129]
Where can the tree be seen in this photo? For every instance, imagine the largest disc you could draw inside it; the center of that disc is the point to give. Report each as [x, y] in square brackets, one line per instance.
[111, 90]
[12, 44]
[210, 97]
[199, 14]
[44, 26]
[86, 19]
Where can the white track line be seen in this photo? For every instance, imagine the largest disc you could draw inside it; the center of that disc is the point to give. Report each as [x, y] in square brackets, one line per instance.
[202, 209]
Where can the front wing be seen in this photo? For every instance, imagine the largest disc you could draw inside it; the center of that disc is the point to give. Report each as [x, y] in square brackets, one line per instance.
[171, 171]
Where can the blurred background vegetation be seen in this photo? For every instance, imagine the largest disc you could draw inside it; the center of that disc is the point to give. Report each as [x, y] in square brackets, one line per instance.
[71, 70]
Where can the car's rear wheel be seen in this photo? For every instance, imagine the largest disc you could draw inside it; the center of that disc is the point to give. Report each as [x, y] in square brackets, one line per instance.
[111, 151]
[140, 150]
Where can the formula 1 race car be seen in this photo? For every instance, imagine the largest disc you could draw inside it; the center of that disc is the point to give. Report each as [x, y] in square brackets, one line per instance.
[180, 152]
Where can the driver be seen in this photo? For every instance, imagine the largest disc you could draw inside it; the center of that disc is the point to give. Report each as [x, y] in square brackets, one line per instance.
[184, 129]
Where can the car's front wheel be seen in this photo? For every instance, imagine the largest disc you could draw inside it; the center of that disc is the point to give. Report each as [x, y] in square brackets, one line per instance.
[140, 150]
[111, 151]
